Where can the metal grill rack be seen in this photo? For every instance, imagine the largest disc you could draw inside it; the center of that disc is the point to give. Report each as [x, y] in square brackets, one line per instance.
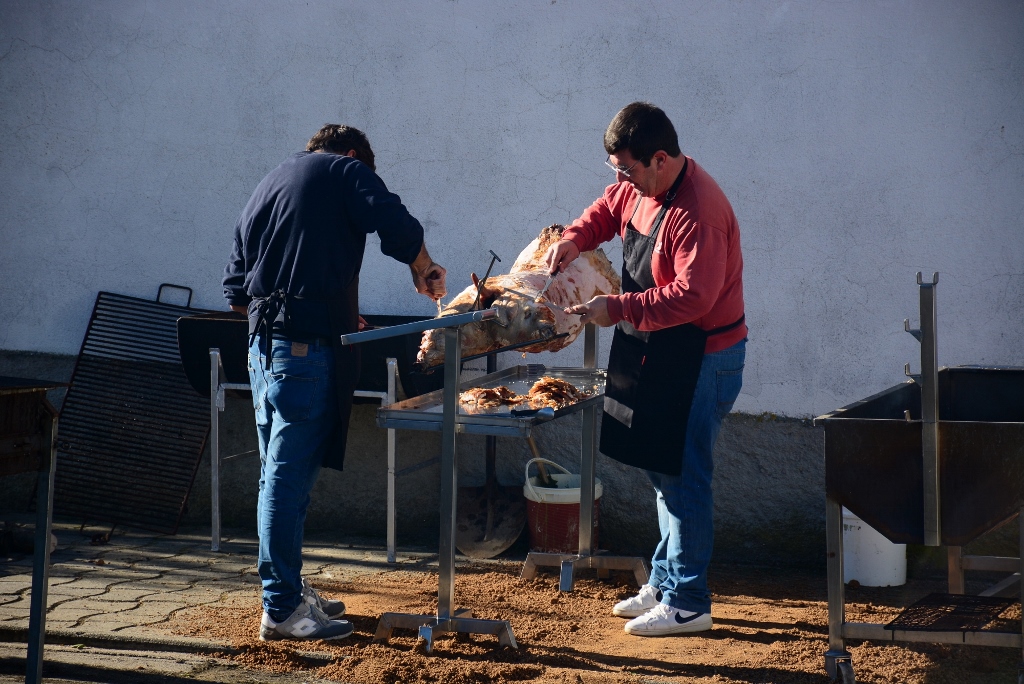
[447, 619]
[131, 430]
[439, 411]
[936, 461]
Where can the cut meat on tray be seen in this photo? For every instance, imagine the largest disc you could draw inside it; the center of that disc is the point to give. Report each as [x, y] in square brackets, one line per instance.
[490, 397]
[546, 392]
[555, 393]
[520, 318]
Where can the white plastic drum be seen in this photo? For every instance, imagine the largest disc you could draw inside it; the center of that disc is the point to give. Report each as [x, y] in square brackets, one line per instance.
[870, 558]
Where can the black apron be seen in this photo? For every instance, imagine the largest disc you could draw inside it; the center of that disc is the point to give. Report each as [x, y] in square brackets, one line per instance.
[343, 317]
[651, 375]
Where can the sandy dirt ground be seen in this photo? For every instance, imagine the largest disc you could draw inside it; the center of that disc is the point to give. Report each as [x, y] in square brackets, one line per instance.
[770, 627]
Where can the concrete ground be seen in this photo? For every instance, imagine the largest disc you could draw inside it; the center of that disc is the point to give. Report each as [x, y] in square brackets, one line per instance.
[106, 603]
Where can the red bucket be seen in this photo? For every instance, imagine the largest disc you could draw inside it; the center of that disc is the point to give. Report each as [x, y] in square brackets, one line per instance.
[553, 513]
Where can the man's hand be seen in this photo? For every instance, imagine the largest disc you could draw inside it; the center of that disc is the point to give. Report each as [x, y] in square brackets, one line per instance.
[428, 277]
[431, 281]
[595, 311]
[560, 255]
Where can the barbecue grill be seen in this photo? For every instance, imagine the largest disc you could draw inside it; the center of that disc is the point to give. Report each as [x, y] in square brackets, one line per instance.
[938, 461]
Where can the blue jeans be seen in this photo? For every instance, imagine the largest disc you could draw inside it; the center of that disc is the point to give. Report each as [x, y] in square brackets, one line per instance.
[681, 559]
[296, 410]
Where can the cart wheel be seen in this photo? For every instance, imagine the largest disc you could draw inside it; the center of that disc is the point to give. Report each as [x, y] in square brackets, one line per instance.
[845, 670]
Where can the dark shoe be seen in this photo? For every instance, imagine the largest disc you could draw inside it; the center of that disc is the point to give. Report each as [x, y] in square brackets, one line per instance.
[332, 609]
[305, 622]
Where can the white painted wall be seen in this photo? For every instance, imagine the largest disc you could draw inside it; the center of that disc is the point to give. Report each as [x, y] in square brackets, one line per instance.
[860, 142]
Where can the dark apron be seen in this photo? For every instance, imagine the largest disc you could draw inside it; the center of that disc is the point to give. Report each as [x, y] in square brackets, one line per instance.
[651, 375]
[343, 317]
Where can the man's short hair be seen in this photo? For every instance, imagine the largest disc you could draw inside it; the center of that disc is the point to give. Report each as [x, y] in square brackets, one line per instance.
[339, 139]
[643, 129]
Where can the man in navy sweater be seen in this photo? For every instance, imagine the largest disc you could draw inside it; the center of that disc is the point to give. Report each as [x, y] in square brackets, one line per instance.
[294, 270]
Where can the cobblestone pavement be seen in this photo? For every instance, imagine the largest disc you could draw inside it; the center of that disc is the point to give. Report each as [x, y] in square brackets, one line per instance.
[116, 595]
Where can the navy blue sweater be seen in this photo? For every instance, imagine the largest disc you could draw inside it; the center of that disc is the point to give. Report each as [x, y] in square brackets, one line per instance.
[304, 231]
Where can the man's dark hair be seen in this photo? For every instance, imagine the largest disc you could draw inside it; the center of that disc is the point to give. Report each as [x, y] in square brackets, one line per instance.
[643, 129]
[339, 139]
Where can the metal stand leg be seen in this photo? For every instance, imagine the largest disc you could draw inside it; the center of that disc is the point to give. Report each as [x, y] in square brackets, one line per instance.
[446, 619]
[837, 652]
[392, 372]
[1020, 524]
[954, 554]
[216, 406]
[41, 555]
[587, 556]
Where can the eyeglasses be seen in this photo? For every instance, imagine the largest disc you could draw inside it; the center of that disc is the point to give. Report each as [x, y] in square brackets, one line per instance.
[619, 169]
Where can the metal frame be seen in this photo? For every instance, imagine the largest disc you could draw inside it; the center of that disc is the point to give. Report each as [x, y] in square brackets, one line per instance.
[447, 619]
[838, 661]
[41, 446]
[587, 556]
[218, 387]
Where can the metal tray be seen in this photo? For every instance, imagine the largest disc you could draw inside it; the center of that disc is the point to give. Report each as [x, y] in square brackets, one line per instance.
[425, 412]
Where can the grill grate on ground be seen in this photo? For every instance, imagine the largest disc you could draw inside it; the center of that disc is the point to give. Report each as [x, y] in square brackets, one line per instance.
[950, 613]
[131, 430]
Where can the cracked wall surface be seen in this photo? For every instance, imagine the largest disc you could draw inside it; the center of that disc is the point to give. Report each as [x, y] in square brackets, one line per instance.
[858, 142]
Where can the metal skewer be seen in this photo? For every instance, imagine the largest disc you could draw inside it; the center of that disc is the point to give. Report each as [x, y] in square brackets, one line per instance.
[480, 283]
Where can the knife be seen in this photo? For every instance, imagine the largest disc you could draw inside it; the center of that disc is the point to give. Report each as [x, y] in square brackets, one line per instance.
[547, 284]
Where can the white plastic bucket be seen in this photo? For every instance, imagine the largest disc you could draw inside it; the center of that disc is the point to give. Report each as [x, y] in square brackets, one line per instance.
[553, 513]
[567, 492]
[870, 558]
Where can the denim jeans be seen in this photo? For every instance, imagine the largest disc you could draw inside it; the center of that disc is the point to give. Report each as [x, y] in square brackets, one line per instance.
[681, 559]
[296, 409]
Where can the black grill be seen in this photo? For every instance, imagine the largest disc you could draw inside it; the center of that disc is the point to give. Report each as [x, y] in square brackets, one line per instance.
[132, 430]
[950, 613]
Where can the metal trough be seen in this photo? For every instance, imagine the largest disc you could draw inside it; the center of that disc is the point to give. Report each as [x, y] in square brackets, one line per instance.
[873, 463]
[937, 461]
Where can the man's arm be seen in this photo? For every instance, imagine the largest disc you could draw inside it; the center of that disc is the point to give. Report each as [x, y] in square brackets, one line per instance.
[234, 278]
[599, 223]
[376, 209]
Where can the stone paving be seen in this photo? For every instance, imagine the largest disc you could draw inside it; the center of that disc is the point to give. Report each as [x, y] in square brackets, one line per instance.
[123, 590]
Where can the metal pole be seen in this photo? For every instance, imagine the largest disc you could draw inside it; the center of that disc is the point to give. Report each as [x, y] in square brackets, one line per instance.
[929, 414]
[588, 451]
[41, 556]
[836, 589]
[392, 371]
[1020, 553]
[215, 400]
[449, 473]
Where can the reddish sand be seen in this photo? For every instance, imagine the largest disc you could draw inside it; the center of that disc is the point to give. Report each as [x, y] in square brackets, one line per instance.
[769, 627]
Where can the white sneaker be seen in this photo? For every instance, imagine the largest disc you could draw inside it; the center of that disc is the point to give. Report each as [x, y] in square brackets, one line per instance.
[636, 606]
[664, 619]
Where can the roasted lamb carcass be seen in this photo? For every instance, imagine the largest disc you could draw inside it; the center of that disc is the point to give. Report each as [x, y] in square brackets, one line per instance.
[520, 319]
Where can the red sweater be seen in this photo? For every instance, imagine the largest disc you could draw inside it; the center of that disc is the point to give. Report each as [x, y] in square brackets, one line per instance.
[697, 263]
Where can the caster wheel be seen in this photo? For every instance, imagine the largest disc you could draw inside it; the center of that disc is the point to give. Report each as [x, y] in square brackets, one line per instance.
[845, 670]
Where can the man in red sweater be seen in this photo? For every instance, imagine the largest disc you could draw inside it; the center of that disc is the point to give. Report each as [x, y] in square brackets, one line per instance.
[676, 362]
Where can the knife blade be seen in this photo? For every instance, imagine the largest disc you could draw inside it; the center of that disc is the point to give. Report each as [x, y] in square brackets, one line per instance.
[547, 284]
